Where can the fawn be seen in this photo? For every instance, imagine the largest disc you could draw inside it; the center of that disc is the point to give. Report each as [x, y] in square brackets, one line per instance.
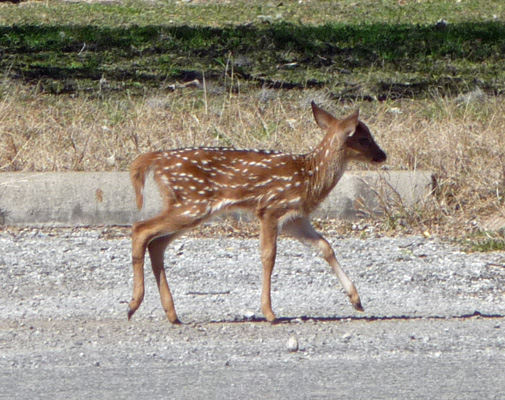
[280, 189]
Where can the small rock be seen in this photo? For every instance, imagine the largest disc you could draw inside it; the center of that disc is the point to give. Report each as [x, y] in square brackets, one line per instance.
[395, 111]
[292, 344]
[494, 223]
[475, 96]
[441, 24]
[265, 18]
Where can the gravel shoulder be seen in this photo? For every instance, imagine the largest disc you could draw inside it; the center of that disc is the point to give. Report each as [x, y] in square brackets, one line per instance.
[433, 324]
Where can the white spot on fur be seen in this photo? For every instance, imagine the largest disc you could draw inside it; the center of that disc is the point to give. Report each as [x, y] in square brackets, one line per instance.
[222, 204]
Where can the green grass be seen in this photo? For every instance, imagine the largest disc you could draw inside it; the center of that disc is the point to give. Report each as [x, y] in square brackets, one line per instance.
[484, 242]
[239, 12]
[357, 49]
[373, 60]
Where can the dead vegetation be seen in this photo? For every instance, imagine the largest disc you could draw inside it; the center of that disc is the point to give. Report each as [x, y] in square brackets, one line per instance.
[460, 139]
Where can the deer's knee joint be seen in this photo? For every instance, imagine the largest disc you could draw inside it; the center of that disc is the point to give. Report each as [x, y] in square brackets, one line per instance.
[137, 228]
[326, 249]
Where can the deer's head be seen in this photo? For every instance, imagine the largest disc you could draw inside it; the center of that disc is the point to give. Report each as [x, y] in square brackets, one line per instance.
[354, 137]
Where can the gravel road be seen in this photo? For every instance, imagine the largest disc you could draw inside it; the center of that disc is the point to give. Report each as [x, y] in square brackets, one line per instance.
[433, 325]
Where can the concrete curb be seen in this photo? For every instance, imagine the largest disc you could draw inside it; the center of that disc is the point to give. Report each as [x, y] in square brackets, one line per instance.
[107, 198]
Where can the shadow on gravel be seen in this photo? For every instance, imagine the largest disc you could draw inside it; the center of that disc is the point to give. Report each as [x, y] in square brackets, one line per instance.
[289, 320]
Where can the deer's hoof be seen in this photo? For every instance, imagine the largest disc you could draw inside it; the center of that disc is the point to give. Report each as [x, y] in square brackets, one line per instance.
[358, 307]
[270, 317]
[130, 312]
[175, 321]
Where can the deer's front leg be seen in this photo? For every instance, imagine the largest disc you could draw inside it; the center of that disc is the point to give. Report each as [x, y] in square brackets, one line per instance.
[303, 230]
[268, 243]
[329, 256]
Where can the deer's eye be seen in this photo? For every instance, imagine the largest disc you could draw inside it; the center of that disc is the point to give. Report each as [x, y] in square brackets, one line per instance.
[365, 142]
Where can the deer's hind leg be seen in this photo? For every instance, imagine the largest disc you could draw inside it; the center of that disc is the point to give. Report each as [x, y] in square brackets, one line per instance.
[155, 234]
[157, 249]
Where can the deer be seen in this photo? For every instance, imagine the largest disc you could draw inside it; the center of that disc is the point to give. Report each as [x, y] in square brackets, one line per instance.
[278, 188]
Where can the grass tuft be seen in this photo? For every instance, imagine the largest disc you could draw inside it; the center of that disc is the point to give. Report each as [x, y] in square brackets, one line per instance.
[484, 241]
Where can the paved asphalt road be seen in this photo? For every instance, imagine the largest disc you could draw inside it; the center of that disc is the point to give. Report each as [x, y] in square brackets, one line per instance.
[433, 327]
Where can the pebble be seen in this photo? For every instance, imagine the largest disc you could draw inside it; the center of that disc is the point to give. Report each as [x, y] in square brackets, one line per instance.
[292, 344]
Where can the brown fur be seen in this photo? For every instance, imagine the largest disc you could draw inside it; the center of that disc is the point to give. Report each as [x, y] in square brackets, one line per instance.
[280, 189]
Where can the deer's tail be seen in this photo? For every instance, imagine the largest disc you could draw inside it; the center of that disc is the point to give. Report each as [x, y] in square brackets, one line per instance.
[138, 172]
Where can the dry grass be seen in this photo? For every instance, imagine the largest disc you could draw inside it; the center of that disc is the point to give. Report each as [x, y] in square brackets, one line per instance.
[460, 140]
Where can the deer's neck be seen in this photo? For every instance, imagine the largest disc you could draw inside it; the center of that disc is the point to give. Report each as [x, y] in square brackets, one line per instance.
[325, 165]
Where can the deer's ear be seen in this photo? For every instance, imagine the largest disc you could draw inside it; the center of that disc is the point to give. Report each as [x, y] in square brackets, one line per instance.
[323, 118]
[348, 125]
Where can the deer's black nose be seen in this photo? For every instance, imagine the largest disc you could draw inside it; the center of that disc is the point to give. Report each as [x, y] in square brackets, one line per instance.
[379, 157]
